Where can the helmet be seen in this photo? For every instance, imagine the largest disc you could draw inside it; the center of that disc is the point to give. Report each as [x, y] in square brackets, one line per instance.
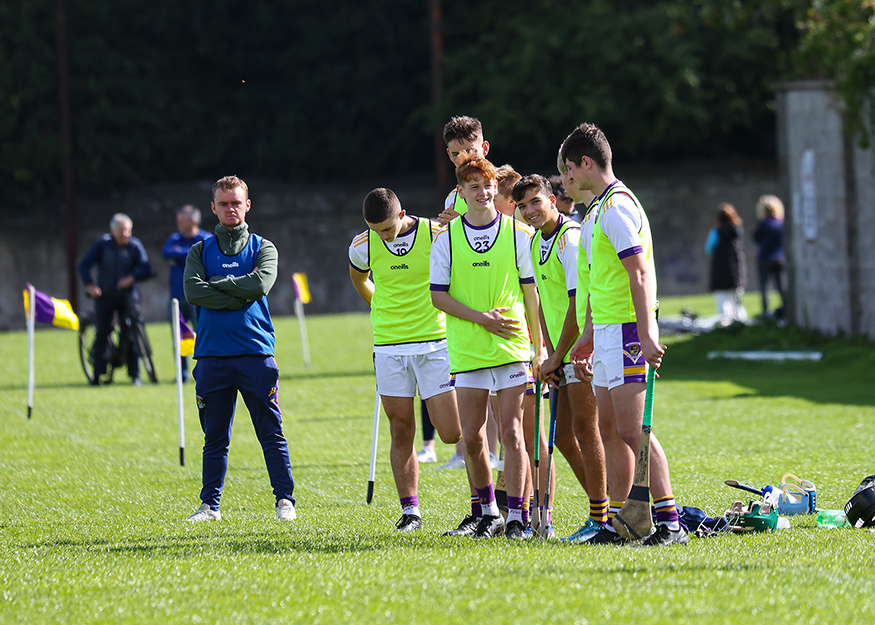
[860, 509]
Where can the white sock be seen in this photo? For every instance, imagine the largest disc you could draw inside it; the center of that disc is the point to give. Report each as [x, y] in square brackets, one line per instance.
[490, 509]
[414, 510]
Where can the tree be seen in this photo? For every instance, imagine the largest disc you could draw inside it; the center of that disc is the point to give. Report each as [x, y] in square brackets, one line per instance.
[839, 43]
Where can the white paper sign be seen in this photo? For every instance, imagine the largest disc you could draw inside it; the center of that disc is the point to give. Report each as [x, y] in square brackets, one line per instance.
[809, 197]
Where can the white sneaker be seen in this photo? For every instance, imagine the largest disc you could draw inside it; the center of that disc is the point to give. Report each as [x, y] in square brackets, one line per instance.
[285, 510]
[455, 462]
[493, 460]
[425, 455]
[205, 513]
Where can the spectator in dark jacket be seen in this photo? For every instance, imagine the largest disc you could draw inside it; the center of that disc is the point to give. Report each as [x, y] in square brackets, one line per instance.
[728, 268]
[175, 250]
[121, 262]
[769, 236]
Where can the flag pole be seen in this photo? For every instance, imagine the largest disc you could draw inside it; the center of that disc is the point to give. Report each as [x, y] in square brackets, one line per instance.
[174, 315]
[302, 323]
[31, 317]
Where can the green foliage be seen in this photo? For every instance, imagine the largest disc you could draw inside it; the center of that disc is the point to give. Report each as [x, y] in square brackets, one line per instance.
[181, 90]
[29, 144]
[839, 43]
[664, 79]
[92, 499]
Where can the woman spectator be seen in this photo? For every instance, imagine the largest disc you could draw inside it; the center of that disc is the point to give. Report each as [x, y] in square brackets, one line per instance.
[769, 236]
[725, 244]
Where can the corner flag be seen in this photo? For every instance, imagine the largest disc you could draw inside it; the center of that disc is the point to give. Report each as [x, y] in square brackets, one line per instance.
[51, 310]
[186, 338]
[302, 289]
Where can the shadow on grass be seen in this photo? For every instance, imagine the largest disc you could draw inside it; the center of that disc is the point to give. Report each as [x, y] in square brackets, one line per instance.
[243, 541]
[217, 543]
[842, 376]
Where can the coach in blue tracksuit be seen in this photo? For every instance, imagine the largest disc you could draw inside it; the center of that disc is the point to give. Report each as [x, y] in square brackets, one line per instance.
[229, 277]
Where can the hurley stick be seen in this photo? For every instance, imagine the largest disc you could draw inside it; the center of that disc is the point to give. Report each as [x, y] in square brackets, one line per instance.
[554, 401]
[373, 468]
[536, 478]
[634, 520]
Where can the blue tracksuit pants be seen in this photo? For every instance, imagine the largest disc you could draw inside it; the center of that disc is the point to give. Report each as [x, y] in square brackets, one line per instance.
[217, 382]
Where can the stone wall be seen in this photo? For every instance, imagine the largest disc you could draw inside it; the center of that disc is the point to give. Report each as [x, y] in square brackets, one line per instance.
[312, 228]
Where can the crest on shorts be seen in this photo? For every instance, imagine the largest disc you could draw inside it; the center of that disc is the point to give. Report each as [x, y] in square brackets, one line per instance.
[200, 402]
[274, 394]
[633, 351]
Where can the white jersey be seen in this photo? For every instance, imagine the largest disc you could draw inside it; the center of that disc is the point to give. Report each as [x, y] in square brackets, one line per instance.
[480, 238]
[450, 202]
[586, 234]
[566, 251]
[620, 220]
[360, 253]
[360, 260]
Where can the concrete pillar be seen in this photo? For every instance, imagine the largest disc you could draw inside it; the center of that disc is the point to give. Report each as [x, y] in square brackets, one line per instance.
[821, 195]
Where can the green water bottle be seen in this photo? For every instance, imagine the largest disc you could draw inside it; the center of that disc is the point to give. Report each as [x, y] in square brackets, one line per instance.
[831, 518]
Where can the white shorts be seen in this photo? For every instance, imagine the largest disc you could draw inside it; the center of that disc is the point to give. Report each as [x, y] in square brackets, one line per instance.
[530, 382]
[495, 378]
[399, 376]
[617, 356]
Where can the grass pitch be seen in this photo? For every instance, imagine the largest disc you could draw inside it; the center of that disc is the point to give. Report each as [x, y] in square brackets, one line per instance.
[92, 500]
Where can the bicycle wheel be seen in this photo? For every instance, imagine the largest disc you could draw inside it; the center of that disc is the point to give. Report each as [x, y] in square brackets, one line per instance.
[146, 352]
[87, 332]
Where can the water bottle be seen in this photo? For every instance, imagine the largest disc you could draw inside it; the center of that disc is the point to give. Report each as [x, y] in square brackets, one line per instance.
[832, 518]
[809, 488]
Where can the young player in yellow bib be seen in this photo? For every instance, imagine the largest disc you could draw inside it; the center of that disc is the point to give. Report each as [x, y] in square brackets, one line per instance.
[481, 276]
[464, 138]
[410, 346]
[554, 257]
[619, 336]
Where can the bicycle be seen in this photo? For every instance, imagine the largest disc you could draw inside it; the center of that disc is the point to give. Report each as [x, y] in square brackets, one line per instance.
[120, 340]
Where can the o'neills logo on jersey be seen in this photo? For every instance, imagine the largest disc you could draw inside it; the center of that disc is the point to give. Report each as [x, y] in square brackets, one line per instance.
[484, 263]
[404, 266]
[230, 265]
[543, 277]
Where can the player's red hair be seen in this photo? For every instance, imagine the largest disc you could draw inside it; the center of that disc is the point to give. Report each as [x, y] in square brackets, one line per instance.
[473, 166]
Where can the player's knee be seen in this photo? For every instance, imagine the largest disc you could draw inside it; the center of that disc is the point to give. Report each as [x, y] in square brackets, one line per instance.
[608, 431]
[630, 434]
[512, 439]
[402, 430]
[473, 442]
[450, 436]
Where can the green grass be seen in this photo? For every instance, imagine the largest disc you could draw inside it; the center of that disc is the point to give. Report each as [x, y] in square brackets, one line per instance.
[92, 499]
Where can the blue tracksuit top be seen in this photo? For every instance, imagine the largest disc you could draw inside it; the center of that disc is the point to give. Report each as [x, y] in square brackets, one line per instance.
[175, 251]
[114, 263]
[244, 332]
